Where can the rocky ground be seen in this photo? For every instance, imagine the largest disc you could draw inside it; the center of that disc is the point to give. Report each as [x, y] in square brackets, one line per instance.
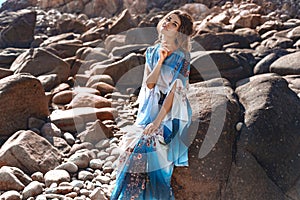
[69, 84]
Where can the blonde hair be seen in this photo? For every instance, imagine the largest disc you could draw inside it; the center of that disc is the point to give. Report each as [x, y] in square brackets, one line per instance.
[185, 30]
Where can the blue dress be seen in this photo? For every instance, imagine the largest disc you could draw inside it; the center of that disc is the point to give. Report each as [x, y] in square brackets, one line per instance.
[146, 166]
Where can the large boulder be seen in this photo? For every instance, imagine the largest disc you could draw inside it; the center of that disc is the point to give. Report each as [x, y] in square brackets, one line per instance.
[207, 65]
[271, 127]
[21, 97]
[20, 33]
[29, 152]
[17, 5]
[66, 48]
[127, 72]
[248, 180]
[123, 23]
[40, 62]
[287, 65]
[74, 120]
[215, 114]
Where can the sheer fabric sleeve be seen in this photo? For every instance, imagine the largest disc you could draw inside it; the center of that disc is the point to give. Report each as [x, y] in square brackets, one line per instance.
[148, 98]
[180, 107]
[181, 112]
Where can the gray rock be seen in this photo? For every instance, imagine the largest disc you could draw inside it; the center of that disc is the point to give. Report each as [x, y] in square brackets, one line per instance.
[56, 176]
[103, 179]
[267, 101]
[20, 33]
[97, 194]
[50, 130]
[96, 163]
[11, 195]
[38, 176]
[80, 159]
[77, 183]
[85, 175]
[68, 166]
[33, 189]
[69, 138]
[287, 65]
[102, 144]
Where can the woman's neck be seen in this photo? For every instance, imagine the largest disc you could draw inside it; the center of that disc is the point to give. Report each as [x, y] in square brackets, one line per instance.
[170, 42]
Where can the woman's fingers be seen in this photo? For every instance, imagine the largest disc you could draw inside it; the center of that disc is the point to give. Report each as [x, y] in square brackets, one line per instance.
[150, 128]
[164, 53]
[166, 49]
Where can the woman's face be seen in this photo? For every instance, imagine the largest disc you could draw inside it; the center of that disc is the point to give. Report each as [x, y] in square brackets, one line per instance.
[170, 25]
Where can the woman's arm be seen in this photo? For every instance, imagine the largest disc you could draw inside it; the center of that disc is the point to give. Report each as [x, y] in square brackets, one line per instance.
[166, 107]
[153, 76]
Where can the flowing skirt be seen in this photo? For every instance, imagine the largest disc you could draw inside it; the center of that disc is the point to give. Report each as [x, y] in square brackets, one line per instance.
[145, 168]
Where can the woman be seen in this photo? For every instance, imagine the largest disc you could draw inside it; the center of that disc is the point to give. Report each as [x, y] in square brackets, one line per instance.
[157, 141]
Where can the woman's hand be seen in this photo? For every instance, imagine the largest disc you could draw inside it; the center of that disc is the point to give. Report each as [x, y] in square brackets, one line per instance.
[151, 128]
[163, 52]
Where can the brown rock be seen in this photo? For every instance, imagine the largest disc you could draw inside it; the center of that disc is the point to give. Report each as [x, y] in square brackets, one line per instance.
[208, 64]
[22, 96]
[208, 41]
[248, 21]
[120, 52]
[63, 97]
[60, 87]
[8, 56]
[25, 179]
[88, 90]
[104, 88]
[41, 62]
[287, 65]
[123, 23]
[88, 100]
[56, 176]
[74, 120]
[124, 70]
[57, 38]
[250, 34]
[271, 127]
[66, 48]
[5, 72]
[145, 35]
[11, 195]
[36, 153]
[211, 139]
[95, 132]
[227, 38]
[9, 181]
[103, 8]
[275, 42]
[94, 33]
[113, 41]
[294, 83]
[99, 78]
[81, 79]
[71, 25]
[248, 180]
[20, 32]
